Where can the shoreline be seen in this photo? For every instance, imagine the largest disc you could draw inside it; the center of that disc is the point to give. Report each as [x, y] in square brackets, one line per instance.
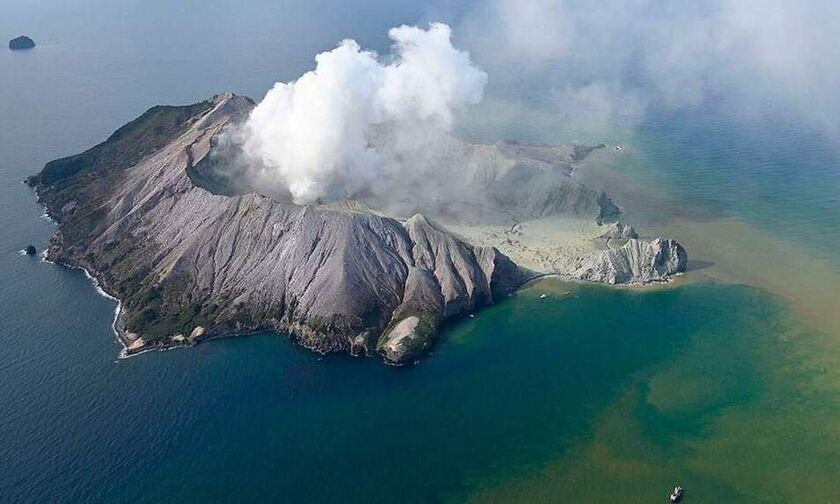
[97, 285]
[123, 354]
[530, 277]
[126, 353]
[674, 281]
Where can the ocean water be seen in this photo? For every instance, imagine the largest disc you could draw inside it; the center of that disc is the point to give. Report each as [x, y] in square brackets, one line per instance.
[726, 383]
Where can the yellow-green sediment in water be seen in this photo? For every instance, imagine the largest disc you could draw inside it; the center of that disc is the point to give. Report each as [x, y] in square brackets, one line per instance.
[744, 411]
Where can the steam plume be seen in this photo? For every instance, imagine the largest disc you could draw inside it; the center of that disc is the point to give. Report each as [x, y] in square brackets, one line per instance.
[321, 136]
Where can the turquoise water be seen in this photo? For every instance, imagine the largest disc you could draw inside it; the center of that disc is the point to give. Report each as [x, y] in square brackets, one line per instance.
[579, 397]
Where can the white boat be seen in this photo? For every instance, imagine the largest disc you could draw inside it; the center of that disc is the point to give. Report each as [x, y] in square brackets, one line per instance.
[677, 494]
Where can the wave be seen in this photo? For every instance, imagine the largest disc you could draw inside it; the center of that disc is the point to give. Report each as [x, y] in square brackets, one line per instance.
[96, 285]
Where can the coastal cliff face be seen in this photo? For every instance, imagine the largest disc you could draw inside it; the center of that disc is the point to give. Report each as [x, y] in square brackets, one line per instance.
[636, 261]
[188, 264]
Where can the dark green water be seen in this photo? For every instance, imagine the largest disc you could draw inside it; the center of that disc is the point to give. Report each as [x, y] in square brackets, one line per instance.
[582, 397]
[519, 386]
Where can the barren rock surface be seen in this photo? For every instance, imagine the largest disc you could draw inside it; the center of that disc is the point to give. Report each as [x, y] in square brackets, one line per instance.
[636, 261]
[181, 258]
[188, 264]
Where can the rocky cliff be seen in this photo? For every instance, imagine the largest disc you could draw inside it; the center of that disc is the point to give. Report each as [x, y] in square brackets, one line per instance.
[189, 264]
[637, 261]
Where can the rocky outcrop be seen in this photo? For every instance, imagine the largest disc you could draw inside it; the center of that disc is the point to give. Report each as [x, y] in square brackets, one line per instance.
[22, 42]
[445, 277]
[30, 250]
[403, 339]
[184, 261]
[619, 231]
[637, 261]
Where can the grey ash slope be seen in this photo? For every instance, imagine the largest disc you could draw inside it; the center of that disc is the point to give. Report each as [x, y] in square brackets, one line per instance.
[189, 264]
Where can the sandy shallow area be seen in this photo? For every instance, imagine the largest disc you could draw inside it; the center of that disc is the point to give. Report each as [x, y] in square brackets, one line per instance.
[548, 245]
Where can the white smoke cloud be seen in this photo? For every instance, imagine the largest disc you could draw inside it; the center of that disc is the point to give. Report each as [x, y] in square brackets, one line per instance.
[591, 58]
[320, 137]
[359, 124]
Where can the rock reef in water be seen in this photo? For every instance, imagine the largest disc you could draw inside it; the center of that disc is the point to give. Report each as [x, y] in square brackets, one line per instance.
[30, 250]
[22, 42]
[189, 264]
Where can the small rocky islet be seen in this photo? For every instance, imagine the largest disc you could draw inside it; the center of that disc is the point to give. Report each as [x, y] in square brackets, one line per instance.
[188, 262]
[20, 43]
